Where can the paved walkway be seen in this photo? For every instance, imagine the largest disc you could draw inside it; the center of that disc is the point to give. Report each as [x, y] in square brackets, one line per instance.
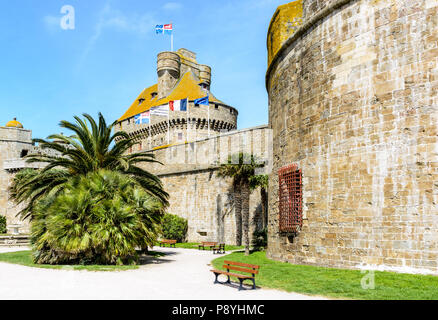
[181, 274]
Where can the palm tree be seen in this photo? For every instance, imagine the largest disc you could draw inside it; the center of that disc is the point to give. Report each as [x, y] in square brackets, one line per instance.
[92, 147]
[241, 168]
[97, 218]
[262, 181]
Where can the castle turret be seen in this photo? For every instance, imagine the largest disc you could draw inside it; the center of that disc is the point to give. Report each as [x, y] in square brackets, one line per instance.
[168, 70]
[205, 76]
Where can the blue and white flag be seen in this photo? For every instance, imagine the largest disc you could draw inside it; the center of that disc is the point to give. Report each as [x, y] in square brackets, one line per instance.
[142, 118]
[159, 29]
[160, 111]
[164, 28]
[203, 101]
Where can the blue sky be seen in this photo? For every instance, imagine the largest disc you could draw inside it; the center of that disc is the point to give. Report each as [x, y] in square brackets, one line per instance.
[49, 74]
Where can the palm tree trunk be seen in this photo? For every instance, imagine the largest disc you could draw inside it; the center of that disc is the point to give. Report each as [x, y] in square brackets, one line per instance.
[238, 214]
[264, 197]
[245, 216]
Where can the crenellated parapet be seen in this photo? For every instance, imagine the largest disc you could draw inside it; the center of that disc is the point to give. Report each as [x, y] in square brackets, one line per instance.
[179, 76]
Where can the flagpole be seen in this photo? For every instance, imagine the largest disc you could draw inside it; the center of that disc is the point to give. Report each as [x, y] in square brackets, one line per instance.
[171, 37]
[150, 124]
[209, 119]
[187, 115]
[168, 124]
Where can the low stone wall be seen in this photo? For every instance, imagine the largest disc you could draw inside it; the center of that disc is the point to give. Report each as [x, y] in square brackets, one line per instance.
[189, 175]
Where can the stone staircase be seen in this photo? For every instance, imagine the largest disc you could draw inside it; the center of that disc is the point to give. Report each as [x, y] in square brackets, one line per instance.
[14, 241]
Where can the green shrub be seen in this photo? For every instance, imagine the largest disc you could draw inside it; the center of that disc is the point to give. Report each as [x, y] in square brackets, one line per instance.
[100, 218]
[260, 239]
[2, 224]
[174, 227]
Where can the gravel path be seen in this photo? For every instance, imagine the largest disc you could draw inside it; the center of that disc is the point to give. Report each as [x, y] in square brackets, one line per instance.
[181, 274]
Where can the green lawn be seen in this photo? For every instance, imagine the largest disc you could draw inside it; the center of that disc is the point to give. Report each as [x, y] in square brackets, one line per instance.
[25, 258]
[194, 245]
[338, 283]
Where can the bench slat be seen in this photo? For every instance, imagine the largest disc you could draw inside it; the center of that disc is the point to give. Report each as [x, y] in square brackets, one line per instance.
[240, 264]
[233, 274]
[240, 269]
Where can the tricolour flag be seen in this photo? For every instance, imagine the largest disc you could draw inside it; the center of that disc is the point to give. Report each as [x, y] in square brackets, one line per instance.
[203, 101]
[160, 111]
[168, 28]
[142, 118]
[178, 105]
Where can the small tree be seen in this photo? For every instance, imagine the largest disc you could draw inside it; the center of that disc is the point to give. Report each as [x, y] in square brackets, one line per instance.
[174, 227]
[100, 218]
[262, 181]
[241, 168]
[3, 224]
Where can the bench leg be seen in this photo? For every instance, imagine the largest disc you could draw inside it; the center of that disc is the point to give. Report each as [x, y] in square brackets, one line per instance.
[217, 275]
[229, 280]
[253, 284]
[241, 284]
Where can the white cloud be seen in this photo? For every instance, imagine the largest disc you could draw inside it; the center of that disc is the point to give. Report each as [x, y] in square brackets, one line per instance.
[115, 20]
[172, 6]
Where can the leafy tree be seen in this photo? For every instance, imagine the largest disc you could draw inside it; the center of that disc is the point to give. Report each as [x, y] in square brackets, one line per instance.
[3, 224]
[260, 239]
[98, 218]
[92, 147]
[262, 181]
[174, 227]
[241, 168]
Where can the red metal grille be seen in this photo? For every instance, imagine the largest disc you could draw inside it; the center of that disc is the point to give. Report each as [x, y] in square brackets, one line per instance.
[290, 199]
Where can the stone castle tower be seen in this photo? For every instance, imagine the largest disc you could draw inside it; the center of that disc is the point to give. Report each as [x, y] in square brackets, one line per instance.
[15, 144]
[192, 144]
[179, 76]
[353, 90]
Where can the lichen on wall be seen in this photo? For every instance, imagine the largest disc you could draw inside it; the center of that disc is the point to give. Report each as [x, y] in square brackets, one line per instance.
[284, 23]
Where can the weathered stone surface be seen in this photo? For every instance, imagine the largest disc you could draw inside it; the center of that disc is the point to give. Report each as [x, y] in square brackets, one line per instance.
[13, 141]
[189, 175]
[353, 101]
[191, 145]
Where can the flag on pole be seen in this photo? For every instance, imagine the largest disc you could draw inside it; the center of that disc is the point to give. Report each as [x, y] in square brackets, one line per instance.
[160, 110]
[159, 29]
[168, 28]
[203, 101]
[142, 118]
[178, 105]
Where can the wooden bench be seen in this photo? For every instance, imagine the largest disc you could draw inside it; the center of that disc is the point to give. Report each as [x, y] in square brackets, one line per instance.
[207, 244]
[241, 267]
[219, 248]
[169, 242]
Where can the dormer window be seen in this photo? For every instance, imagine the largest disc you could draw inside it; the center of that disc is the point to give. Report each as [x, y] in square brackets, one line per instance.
[140, 101]
[153, 95]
